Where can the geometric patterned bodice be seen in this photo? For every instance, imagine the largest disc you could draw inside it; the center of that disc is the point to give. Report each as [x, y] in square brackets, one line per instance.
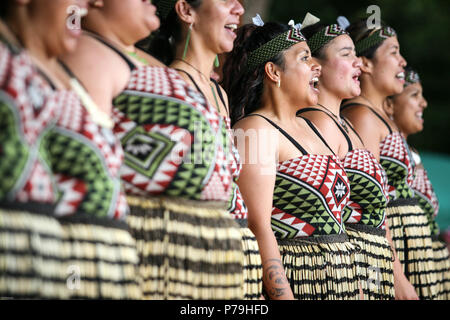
[368, 189]
[175, 143]
[27, 111]
[396, 160]
[236, 205]
[310, 194]
[85, 158]
[425, 194]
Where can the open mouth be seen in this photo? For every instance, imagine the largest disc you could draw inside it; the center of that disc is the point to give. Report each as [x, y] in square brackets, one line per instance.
[356, 77]
[231, 27]
[419, 115]
[314, 84]
[73, 21]
[401, 76]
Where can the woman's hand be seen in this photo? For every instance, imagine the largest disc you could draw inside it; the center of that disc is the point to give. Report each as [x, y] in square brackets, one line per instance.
[404, 290]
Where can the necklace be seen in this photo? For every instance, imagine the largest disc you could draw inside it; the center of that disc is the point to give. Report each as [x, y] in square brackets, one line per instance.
[134, 54]
[341, 121]
[207, 80]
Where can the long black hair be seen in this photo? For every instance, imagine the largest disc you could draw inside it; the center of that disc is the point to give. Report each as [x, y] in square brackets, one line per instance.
[245, 89]
[163, 42]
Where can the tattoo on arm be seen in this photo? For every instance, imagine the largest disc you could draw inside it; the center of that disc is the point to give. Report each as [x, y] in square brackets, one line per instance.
[275, 278]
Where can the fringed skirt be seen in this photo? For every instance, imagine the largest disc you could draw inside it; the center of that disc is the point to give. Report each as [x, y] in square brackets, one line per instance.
[33, 253]
[42, 257]
[252, 265]
[102, 261]
[321, 268]
[374, 261]
[412, 240]
[442, 269]
[187, 249]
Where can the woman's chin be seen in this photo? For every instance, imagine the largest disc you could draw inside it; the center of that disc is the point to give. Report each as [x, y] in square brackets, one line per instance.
[153, 24]
[313, 100]
[69, 45]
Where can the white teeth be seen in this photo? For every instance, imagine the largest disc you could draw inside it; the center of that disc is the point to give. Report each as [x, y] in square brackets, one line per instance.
[83, 12]
[401, 75]
[315, 80]
[231, 26]
[419, 115]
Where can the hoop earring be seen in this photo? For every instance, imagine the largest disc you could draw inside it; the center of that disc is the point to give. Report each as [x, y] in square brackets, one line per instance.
[188, 38]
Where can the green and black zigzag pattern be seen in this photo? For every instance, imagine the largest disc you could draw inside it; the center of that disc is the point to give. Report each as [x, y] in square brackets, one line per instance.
[298, 201]
[397, 178]
[369, 196]
[13, 151]
[429, 212]
[77, 160]
[190, 177]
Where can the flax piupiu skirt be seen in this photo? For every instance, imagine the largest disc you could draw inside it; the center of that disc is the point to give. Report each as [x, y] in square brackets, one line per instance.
[411, 237]
[321, 268]
[42, 257]
[374, 261]
[187, 249]
[252, 264]
[442, 268]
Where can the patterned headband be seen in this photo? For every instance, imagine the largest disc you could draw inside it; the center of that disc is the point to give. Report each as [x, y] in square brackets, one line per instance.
[411, 77]
[164, 7]
[325, 35]
[375, 37]
[272, 48]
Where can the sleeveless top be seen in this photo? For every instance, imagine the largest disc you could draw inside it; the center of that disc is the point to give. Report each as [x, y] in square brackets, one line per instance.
[236, 206]
[396, 160]
[424, 193]
[85, 158]
[175, 143]
[309, 195]
[368, 184]
[27, 111]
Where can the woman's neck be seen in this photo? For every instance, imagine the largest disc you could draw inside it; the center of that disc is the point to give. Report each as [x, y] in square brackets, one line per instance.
[26, 35]
[330, 102]
[21, 34]
[103, 29]
[198, 56]
[371, 94]
[278, 105]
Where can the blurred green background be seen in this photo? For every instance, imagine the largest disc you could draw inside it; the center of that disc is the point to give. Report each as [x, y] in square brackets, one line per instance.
[423, 27]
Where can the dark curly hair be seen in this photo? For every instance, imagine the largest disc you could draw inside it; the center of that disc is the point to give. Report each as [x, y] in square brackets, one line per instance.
[162, 43]
[245, 89]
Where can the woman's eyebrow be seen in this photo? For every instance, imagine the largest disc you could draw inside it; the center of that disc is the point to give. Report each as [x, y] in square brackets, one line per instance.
[347, 48]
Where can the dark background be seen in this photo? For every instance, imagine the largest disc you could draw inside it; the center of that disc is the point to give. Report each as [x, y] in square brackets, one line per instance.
[423, 28]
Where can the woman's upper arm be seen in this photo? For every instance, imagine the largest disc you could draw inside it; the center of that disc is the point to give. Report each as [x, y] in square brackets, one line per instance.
[257, 145]
[100, 70]
[366, 125]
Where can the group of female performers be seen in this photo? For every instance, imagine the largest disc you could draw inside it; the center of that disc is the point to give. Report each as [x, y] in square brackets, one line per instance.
[122, 178]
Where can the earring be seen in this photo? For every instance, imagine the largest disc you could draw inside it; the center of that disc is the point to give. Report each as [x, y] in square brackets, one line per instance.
[216, 62]
[188, 38]
[279, 83]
